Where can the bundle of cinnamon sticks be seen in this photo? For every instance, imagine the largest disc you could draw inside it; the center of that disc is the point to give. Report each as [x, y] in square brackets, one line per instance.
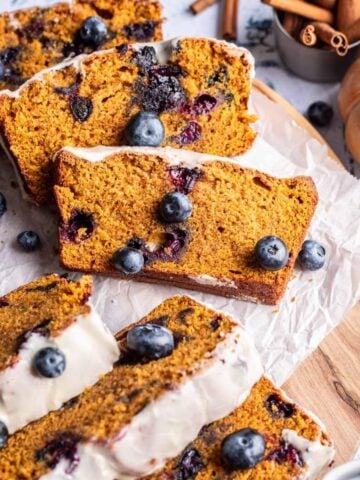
[330, 24]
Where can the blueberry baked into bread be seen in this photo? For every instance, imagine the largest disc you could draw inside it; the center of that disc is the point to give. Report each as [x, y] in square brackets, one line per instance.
[267, 437]
[198, 90]
[52, 346]
[195, 221]
[32, 39]
[181, 367]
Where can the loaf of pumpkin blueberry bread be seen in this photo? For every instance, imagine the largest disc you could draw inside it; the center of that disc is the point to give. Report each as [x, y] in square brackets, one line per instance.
[32, 39]
[188, 93]
[181, 367]
[195, 221]
[52, 346]
[267, 437]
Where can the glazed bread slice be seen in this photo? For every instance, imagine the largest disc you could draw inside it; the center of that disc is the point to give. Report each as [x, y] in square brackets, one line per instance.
[297, 447]
[32, 39]
[199, 87]
[109, 199]
[144, 411]
[55, 313]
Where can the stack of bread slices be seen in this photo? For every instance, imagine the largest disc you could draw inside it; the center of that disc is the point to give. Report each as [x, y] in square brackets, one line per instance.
[140, 147]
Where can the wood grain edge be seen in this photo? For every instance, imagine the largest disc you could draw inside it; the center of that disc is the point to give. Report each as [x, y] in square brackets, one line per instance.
[328, 383]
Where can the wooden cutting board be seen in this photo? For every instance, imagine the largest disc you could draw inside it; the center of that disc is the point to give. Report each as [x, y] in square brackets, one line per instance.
[328, 382]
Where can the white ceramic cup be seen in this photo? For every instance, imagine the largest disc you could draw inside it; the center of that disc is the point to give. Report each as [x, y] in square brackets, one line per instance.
[348, 471]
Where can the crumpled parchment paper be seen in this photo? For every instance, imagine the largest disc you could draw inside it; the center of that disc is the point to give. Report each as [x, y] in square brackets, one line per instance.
[315, 302]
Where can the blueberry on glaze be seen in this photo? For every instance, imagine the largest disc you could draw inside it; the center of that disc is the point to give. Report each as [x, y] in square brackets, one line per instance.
[3, 204]
[145, 129]
[151, 341]
[29, 241]
[242, 449]
[128, 260]
[4, 434]
[175, 207]
[49, 362]
[93, 31]
[320, 114]
[271, 253]
[312, 255]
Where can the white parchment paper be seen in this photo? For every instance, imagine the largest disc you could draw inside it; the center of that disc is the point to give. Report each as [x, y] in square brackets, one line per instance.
[314, 302]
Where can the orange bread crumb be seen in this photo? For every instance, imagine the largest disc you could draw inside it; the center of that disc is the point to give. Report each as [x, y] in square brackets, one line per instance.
[108, 204]
[36, 38]
[200, 91]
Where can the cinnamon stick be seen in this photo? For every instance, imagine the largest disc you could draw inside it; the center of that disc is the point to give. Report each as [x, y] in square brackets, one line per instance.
[353, 32]
[348, 12]
[292, 23]
[200, 5]
[329, 4]
[308, 36]
[229, 25]
[304, 9]
[330, 36]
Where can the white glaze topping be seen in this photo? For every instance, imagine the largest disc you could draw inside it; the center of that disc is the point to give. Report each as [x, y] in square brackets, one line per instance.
[165, 426]
[172, 156]
[90, 351]
[315, 455]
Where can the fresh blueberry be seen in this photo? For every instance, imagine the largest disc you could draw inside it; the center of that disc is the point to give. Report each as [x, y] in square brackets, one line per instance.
[145, 129]
[128, 260]
[312, 255]
[4, 434]
[49, 362]
[3, 205]
[29, 241]
[93, 31]
[151, 341]
[242, 449]
[271, 253]
[175, 207]
[320, 114]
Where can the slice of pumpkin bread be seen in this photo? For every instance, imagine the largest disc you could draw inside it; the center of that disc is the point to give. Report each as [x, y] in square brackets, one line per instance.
[290, 443]
[199, 88]
[181, 367]
[112, 202]
[32, 39]
[52, 346]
